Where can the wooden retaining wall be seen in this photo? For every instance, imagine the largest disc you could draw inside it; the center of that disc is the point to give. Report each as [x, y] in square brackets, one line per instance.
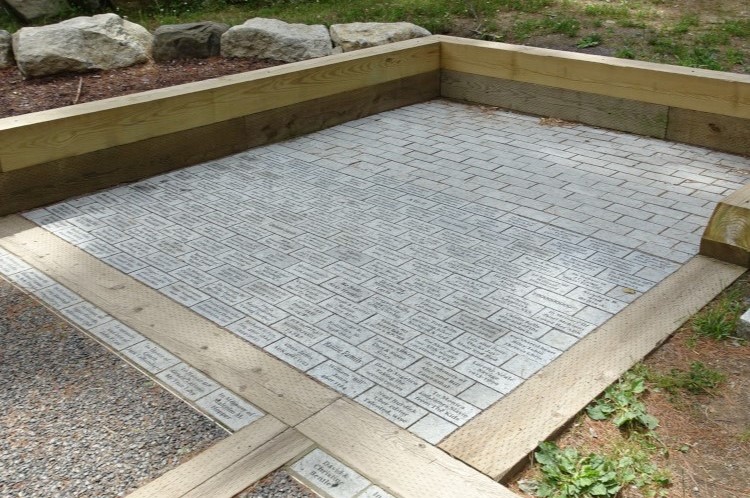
[695, 106]
[51, 155]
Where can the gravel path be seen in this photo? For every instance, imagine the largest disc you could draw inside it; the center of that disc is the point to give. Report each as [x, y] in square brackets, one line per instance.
[75, 420]
[278, 484]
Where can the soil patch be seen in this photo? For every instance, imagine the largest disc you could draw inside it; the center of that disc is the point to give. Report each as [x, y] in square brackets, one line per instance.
[19, 96]
[704, 439]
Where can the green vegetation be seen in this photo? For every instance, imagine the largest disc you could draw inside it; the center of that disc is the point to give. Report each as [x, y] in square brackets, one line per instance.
[565, 473]
[621, 403]
[589, 41]
[719, 321]
[699, 379]
[654, 30]
[7, 21]
[685, 24]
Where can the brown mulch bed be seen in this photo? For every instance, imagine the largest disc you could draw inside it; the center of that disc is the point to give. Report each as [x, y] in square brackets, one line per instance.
[19, 96]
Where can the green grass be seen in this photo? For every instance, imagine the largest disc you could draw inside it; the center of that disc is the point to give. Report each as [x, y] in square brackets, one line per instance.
[434, 15]
[7, 21]
[719, 321]
[699, 379]
[528, 6]
[524, 29]
[625, 53]
[685, 24]
[607, 11]
[589, 41]
[739, 28]
[633, 29]
[701, 57]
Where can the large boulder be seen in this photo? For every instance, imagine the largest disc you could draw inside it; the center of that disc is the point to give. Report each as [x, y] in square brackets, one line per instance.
[359, 35]
[104, 41]
[30, 10]
[276, 40]
[188, 41]
[6, 49]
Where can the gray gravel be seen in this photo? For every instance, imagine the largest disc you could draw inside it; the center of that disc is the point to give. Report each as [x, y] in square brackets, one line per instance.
[278, 484]
[75, 420]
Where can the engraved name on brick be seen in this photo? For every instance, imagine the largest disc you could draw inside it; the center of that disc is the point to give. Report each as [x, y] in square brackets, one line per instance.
[254, 332]
[529, 348]
[443, 404]
[229, 409]
[440, 376]
[489, 375]
[341, 379]
[390, 351]
[342, 352]
[482, 349]
[392, 406]
[395, 379]
[295, 354]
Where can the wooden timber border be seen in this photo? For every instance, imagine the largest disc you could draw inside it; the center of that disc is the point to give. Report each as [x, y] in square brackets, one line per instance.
[52, 155]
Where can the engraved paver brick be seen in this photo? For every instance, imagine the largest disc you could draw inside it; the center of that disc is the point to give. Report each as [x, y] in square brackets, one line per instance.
[341, 379]
[229, 409]
[392, 352]
[471, 304]
[329, 475]
[296, 354]
[150, 356]
[307, 311]
[395, 408]
[261, 310]
[440, 376]
[187, 381]
[255, 332]
[511, 321]
[430, 306]
[489, 375]
[354, 312]
[117, 335]
[432, 429]
[443, 404]
[57, 296]
[218, 312]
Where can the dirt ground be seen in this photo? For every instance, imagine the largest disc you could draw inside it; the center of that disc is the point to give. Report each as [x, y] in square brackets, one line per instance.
[19, 96]
[703, 440]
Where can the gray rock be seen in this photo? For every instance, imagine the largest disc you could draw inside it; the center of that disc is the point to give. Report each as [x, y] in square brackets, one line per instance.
[6, 49]
[29, 10]
[743, 326]
[276, 40]
[188, 41]
[104, 41]
[357, 35]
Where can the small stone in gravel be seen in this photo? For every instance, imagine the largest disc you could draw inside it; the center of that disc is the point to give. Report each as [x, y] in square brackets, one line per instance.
[278, 484]
[77, 421]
